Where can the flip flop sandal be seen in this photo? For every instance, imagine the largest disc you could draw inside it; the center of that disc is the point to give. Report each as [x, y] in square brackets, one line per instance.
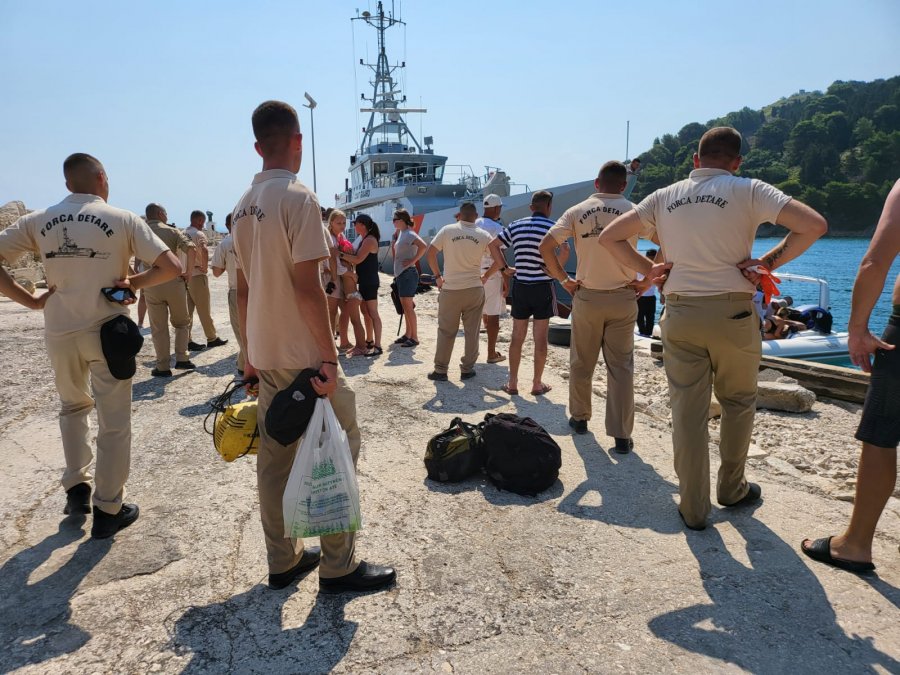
[401, 340]
[356, 351]
[820, 550]
[375, 351]
[543, 390]
[410, 343]
[511, 392]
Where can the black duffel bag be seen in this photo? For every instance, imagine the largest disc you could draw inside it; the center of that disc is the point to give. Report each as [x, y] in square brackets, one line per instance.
[455, 454]
[521, 456]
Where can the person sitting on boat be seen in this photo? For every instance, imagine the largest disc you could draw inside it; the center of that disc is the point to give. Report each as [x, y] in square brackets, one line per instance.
[779, 326]
[407, 248]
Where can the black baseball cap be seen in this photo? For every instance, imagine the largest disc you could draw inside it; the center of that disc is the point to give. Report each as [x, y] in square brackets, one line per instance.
[121, 340]
[292, 408]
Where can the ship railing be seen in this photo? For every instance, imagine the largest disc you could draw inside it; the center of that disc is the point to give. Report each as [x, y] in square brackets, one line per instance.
[447, 174]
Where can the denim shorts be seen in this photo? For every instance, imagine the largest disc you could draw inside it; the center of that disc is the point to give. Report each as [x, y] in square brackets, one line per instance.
[407, 282]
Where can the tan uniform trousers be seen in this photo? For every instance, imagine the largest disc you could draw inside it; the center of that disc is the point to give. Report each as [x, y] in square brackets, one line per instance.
[168, 302]
[603, 320]
[198, 296]
[236, 326]
[75, 359]
[465, 304]
[273, 466]
[706, 348]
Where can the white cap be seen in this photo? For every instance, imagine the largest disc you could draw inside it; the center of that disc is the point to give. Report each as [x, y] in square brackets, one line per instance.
[491, 201]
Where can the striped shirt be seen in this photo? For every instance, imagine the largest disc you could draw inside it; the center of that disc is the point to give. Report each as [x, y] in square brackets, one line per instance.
[524, 236]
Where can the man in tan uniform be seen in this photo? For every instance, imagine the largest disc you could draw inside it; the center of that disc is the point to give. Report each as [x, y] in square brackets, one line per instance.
[278, 243]
[198, 284]
[603, 306]
[85, 245]
[168, 301]
[461, 288]
[223, 263]
[706, 225]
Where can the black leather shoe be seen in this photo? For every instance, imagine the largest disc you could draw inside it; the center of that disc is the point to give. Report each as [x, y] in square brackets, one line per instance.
[580, 426]
[623, 445]
[467, 375]
[690, 527]
[366, 577]
[309, 560]
[156, 372]
[78, 500]
[216, 342]
[184, 365]
[753, 494]
[437, 377]
[106, 525]
[194, 347]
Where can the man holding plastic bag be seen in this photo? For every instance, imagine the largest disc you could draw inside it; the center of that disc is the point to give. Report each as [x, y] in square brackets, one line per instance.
[279, 241]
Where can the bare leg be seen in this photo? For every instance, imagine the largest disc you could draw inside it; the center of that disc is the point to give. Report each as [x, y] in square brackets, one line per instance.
[539, 331]
[351, 309]
[371, 309]
[409, 315]
[492, 326]
[519, 332]
[874, 484]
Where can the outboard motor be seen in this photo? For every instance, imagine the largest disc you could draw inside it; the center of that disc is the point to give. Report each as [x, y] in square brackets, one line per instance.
[816, 318]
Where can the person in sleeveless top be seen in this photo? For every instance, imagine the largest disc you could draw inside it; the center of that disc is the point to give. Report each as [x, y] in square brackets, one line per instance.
[366, 260]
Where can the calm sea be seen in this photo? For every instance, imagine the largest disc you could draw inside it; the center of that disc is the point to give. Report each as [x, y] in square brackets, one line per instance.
[836, 261]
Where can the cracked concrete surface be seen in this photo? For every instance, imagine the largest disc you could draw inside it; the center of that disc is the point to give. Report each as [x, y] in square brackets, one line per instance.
[594, 575]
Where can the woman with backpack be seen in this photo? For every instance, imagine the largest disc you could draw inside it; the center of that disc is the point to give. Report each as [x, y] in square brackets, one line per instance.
[407, 248]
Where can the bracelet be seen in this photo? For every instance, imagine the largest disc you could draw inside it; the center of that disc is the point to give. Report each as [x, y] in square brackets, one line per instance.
[331, 363]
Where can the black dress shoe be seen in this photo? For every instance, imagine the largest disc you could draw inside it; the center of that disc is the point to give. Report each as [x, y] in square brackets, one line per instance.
[309, 560]
[437, 377]
[467, 375]
[753, 494]
[78, 500]
[580, 426]
[216, 342]
[184, 365]
[623, 445]
[194, 347]
[366, 577]
[106, 525]
[156, 372]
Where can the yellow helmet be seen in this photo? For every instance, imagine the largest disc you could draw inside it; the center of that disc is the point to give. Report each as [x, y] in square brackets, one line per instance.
[235, 432]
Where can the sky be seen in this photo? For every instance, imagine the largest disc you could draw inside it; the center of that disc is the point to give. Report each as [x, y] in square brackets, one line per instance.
[162, 92]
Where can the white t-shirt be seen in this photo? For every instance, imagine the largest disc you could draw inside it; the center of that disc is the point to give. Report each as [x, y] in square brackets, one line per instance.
[85, 245]
[201, 259]
[493, 228]
[277, 223]
[596, 268]
[223, 258]
[463, 245]
[706, 225]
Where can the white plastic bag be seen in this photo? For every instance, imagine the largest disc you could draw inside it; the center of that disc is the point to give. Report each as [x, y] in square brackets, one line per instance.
[322, 496]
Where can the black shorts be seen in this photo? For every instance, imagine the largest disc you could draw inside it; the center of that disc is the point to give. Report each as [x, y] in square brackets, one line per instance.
[369, 292]
[536, 300]
[880, 424]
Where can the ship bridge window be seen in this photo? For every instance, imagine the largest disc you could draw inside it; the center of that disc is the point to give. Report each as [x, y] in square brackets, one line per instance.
[379, 169]
[439, 173]
[411, 171]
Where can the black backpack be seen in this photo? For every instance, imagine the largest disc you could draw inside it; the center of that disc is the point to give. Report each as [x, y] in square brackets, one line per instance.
[455, 454]
[521, 456]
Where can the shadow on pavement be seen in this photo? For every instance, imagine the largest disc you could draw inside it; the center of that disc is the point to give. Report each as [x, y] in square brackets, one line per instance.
[34, 617]
[245, 634]
[771, 615]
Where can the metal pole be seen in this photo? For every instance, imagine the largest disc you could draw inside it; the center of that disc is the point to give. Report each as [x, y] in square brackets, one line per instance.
[627, 134]
[312, 130]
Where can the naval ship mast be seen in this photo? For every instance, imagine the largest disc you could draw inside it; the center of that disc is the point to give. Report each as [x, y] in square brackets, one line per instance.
[377, 135]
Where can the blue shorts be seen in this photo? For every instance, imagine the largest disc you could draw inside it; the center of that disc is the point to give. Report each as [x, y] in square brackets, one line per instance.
[407, 282]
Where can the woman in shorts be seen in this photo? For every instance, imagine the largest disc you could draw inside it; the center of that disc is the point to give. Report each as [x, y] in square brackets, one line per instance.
[337, 222]
[366, 260]
[407, 247]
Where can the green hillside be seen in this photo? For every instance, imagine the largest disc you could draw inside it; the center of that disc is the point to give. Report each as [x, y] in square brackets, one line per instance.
[838, 151]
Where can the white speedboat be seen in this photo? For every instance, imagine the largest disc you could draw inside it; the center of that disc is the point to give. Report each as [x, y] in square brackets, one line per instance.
[391, 169]
[816, 343]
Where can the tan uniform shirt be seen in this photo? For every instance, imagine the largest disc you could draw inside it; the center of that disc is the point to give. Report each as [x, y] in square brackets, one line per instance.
[277, 223]
[223, 258]
[201, 259]
[706, 225]
[463, 245]
[177, 241]
[596, 268]
[85, 245]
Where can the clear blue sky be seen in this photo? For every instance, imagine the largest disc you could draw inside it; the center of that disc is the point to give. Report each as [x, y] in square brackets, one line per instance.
[162, 91]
